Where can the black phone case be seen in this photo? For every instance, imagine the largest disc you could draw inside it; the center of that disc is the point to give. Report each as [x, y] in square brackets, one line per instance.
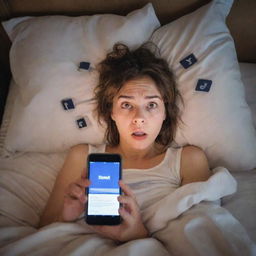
[103, 219]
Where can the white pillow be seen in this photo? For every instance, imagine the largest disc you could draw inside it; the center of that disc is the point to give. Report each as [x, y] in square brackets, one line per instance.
[218, 121]
[45, 55]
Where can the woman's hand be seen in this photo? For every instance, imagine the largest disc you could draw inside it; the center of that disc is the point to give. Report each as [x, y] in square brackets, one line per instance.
[74, 200]
[132, 226]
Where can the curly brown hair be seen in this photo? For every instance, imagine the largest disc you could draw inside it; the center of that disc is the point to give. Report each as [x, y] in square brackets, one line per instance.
[122, 65]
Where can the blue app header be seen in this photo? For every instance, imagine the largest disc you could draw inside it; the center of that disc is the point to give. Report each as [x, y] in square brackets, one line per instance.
[104, 177]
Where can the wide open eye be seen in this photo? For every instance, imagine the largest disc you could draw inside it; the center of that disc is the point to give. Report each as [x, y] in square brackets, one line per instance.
[126, 105]
[152, 105]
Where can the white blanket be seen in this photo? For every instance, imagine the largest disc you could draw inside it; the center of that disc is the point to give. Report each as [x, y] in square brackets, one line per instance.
[182, 223]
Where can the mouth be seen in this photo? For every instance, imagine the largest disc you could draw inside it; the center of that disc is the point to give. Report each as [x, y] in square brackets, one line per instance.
[139, 135]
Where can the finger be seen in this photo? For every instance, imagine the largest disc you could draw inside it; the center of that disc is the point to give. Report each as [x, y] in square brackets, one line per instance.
[82, 182]
[128, 201]
[75, 191]
[126, 216]
[82, 198]
[126, 189]
[71, 207]
[129, 205]
[69, 200]
[84, 173]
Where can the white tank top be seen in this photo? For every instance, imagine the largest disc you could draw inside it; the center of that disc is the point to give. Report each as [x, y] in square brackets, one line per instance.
[150, 185]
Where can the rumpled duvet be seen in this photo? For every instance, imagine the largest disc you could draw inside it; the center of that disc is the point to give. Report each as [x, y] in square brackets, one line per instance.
[189, 221]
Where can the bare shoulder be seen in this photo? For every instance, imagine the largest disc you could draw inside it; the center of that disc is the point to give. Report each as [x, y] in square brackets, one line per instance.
[194, 165]
[193, 153]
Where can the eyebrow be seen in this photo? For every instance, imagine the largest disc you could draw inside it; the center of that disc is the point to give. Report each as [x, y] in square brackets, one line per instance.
[146, 97]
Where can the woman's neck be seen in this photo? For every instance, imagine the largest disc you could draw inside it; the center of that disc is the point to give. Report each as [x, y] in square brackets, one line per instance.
[132, 154]
[139, 159]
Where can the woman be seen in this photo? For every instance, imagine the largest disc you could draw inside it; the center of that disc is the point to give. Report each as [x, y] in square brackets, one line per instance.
[136, 97]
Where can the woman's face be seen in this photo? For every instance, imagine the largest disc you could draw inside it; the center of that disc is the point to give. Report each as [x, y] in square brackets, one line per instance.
[139, 112]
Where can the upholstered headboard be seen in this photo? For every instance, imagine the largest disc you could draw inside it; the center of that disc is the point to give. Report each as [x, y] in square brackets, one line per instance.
[241, 21]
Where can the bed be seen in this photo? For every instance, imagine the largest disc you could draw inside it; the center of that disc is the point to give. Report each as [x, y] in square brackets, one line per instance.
[49, 51]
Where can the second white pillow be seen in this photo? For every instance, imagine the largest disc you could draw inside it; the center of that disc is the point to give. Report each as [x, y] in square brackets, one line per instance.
[200, 50]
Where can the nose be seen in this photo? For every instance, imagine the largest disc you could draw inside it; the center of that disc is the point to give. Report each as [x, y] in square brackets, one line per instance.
[138, 121]
[139, 118]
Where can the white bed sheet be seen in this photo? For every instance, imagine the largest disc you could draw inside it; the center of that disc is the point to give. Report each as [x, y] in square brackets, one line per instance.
[25, 184]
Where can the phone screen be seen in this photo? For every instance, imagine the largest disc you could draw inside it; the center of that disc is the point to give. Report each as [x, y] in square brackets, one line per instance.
[104, 172]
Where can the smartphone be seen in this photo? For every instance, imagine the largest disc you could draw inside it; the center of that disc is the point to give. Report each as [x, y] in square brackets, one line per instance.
[104, 171]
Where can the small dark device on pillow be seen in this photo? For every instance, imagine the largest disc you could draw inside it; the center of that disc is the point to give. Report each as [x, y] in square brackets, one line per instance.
[104, 172]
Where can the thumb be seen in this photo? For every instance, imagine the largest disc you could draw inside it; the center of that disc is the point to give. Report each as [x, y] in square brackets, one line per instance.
[84, 173]
[126, 216]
